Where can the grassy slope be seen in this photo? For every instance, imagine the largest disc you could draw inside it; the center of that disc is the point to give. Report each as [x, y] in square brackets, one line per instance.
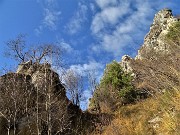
[157, 115]
[160, 114]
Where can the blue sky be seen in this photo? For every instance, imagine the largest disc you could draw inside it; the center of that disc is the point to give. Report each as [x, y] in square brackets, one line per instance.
[93, 32]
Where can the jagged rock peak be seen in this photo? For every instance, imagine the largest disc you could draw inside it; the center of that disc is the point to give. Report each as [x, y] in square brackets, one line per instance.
[41, 74]
[162, 16]
[155, 37]
[161, 22]
[29, 67]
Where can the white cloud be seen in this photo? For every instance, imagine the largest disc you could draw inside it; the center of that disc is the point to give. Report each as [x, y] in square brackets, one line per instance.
[38, 30]
[120, 24]
[109, 15]
[66, 47]
[91, 66]
[77, 20]
[84, 69]
[105, 3]
[114, 43]
[50, 16]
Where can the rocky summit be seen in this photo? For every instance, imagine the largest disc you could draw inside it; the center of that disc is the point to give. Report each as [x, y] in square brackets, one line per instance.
[156, 55]
[33, 101]
[33, 97]
[155, 39]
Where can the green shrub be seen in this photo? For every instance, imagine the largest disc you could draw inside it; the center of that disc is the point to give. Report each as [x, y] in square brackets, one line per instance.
[119, 81]
[174, 33]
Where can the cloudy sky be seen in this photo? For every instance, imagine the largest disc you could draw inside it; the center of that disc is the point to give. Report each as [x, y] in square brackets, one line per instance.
[93, 32]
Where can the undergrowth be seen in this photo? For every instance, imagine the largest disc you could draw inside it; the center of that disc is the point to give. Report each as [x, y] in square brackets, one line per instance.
[157, 115]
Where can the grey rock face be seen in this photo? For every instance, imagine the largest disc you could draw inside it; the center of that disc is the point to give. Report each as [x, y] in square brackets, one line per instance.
[154, 57]
[42, 76]
[33, 80]
[126, 63]
[154, 40]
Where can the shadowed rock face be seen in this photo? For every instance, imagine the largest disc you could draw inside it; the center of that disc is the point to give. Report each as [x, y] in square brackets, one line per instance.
[36, 87]
[20, 92]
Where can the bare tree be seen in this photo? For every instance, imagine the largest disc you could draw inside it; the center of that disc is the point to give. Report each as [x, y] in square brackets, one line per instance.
[92, 81]
[22, 105]
[50, 115]
[45, 53]
[18, 49]
[74, 85]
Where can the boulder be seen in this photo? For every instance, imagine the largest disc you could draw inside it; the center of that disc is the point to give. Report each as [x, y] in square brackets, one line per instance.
[126, 63]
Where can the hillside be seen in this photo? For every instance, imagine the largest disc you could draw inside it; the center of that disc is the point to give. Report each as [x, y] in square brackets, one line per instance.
[143, 93]
[136, 96]
[33, 101]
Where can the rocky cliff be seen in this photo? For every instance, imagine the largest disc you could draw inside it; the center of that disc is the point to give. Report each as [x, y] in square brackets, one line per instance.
[33, 101]
[154, 70]
[150, 82]
[157, 57]
[43, 76]
[155, 39]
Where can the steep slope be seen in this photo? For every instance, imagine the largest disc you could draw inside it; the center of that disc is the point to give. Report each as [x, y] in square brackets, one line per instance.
[30, 98]
[157, 60]
[154, 116]
[154, 86]
[155, 39]
[33, 101]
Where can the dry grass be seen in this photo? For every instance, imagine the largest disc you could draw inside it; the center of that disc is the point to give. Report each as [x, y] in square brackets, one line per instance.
[130, 120]
[160, 114]
[135, 119]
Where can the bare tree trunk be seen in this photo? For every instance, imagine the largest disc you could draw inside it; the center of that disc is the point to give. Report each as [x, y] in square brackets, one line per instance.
[37, 112]
[9, 124]
[8, 128]
[15, 115]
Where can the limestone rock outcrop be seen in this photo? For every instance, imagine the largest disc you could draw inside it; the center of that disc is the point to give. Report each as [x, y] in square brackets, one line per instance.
[42, 75]
[34, 87]
[156, 58]
[34, 100]
[126, 63]
[154, 40]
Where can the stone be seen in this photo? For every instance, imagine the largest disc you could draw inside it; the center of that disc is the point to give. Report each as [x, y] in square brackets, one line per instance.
[155, 120]
[126, 63]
